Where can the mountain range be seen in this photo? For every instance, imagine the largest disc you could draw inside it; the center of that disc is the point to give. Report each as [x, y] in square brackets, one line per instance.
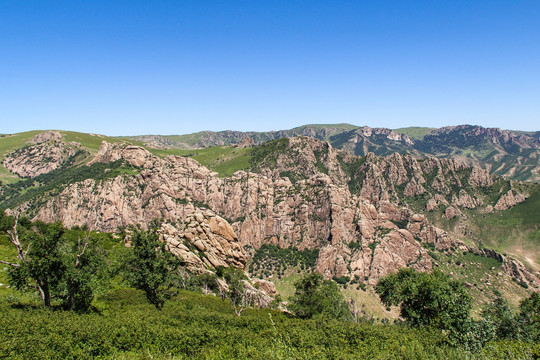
[512, 154]
[359, 202]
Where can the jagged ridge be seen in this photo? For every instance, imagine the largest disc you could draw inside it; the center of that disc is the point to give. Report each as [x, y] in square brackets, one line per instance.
[356, 210]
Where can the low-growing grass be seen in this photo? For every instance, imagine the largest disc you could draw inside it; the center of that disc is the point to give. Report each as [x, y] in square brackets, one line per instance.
[12, 142]
[285, 285]
[7, 253]
[90, 142]
[414, 131]
[369, 304]
[93, 141]
[7, 177]
[515, 231]
[483, 276]
[224, 160]
[187, 140]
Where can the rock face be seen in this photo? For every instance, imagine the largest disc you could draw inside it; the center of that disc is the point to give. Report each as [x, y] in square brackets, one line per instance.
[46, 153]
[246, 142]
[513, 267]
[506, 139]
[506, 153]
[207, 241]
[509, 199]
[365, 139]
[305, 194]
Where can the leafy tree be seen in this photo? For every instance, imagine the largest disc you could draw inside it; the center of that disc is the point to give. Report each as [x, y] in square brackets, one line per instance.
[39, 266]
[150, 267]
[426, 298]
[84, 258]
[500, 315]
[48, 261]
[529, 318]
[205, 282]
[472, 335]
[237, 293]
[316, 296]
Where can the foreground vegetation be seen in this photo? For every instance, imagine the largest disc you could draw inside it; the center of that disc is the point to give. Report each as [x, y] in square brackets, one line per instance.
[123, 325]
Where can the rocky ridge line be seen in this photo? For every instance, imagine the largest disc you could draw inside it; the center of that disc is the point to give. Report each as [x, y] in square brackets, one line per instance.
[360, 233]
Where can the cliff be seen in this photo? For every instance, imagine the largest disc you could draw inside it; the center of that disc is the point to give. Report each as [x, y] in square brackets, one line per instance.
[363, 213]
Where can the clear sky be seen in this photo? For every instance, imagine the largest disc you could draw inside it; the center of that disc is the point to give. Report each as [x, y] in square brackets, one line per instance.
[172, 67]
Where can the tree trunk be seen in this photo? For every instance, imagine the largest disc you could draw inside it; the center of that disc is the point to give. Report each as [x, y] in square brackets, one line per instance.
[71, 291]
[45, 294]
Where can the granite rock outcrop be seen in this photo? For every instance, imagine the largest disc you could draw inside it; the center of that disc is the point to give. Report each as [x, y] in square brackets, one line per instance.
[304, 193]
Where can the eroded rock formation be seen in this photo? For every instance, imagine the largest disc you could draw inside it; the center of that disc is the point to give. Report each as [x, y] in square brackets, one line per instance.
[47, 152]
[308, 195]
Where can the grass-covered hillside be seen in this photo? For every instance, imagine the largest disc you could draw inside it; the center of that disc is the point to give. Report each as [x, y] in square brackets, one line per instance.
[515, 231]
[516, 158]
[414, 132]
[223, 159]
[89, 145]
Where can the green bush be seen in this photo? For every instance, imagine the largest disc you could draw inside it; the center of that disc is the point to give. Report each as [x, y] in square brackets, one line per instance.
[315, 296]
[341, 280]
[193, 326]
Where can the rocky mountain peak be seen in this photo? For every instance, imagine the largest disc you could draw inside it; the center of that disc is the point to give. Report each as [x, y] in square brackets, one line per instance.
[132, 154]
[46, 152]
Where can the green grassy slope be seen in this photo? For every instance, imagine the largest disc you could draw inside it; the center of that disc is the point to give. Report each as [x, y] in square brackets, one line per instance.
[89, 142]
[93, 141]
[414, 131]
[188, 140]
[224, 160]
[514, 231]
[341, 126]
[8, 143]
[192, 141]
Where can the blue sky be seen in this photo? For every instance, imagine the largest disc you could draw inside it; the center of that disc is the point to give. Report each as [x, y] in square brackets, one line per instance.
[172, 67]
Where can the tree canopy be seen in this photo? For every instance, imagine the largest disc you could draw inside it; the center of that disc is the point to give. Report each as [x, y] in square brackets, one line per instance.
[150, 267]
[432, 299]
[315, 296]
[57, 262]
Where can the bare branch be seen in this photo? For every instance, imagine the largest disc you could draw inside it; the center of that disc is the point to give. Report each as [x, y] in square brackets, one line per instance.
[244, 303]
[13, 236]
[27, 249]
[10, 264]
[79, 255]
